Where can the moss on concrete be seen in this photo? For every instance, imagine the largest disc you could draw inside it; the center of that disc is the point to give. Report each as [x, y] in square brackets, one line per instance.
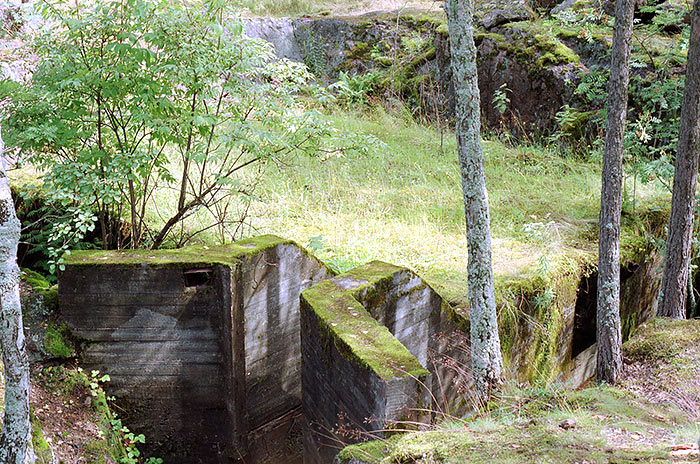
[357, 335]
[222, 254]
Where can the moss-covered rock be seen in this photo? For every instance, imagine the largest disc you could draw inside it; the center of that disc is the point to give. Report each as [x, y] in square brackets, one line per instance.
[491, 13]
[57, 341]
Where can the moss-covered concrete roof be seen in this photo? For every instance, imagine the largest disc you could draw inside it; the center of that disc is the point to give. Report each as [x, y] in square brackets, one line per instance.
[224, 254]
[356, 333]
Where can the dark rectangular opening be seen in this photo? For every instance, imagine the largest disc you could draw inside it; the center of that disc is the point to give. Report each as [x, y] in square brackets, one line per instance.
[198, 278]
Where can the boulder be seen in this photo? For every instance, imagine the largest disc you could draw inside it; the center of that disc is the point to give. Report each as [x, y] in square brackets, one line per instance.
[279, 32]
[492, 13]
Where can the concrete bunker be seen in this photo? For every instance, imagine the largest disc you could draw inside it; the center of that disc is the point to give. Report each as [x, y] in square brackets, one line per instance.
[584, 331]
[202, 344]
[219, 353]
[639, 288]
[377, 348]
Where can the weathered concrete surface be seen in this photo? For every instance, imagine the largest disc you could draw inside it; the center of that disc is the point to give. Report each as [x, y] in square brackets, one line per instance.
[206, 354]
[376, 349]
[202, 345]
[639, 290]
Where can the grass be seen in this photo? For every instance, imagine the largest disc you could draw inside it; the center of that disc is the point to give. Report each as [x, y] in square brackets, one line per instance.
[336, 7]
[525, 426]
[638, 421]
[402, 204]
[625, 424]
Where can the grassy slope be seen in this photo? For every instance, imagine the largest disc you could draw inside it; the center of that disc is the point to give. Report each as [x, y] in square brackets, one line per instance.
[403, 204]
[611, 425]
[337, 7]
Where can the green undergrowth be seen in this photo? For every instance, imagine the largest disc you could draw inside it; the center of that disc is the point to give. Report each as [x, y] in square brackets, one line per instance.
[85, 419]
[527, 426]
[402, 203]
[41, 285]
[553, 424]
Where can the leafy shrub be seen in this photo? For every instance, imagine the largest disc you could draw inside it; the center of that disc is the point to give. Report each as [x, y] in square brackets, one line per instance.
[134, 98]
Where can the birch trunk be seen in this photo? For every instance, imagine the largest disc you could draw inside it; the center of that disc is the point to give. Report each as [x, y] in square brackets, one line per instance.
[487, 363]
[15, 440]
[609, 338]
[678, 247]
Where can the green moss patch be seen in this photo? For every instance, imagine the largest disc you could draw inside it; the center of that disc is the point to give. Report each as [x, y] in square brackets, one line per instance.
[58, 342]
[225, 254]
[357, 335]
[339, 305]
[526, 425]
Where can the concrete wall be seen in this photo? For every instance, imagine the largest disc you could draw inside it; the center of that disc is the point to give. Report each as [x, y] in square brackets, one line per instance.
[202, 345]
[271, 283]
[376, 349]
[162, 345]
[419, 318]
[207, 347]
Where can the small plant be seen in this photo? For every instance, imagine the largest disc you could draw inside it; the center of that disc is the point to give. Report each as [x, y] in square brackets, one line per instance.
[95, 381]
[315, 56]
[316, 243]
[355, 89]
[413, 43]
[501, 100]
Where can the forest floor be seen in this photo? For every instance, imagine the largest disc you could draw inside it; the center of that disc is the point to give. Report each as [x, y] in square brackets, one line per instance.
[652, 416]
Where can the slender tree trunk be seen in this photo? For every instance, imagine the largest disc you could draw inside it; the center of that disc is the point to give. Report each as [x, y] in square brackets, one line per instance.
[680, 229]
[608, 317]
[15, 439]
[487, 363]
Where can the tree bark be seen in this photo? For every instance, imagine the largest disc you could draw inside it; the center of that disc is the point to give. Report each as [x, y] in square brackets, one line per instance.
[15, 440]
[487, 363]
[678, 246]
[609, 362]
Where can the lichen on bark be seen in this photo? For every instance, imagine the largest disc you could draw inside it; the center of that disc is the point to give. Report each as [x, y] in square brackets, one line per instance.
[15, 439]
[609, 337]
[487, 362]
[672, 301]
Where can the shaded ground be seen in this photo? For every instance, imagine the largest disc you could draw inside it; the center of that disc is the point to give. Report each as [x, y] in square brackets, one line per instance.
[72, 429]
[651, 417]
[663, 364]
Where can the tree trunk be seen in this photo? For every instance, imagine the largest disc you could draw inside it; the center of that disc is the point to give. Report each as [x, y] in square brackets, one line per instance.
[15, 440]
[609, 337]
[680, 228]
[487, 364]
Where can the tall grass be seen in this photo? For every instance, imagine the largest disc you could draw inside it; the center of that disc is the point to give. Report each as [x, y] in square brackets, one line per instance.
[336, 7]
[403, 203]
